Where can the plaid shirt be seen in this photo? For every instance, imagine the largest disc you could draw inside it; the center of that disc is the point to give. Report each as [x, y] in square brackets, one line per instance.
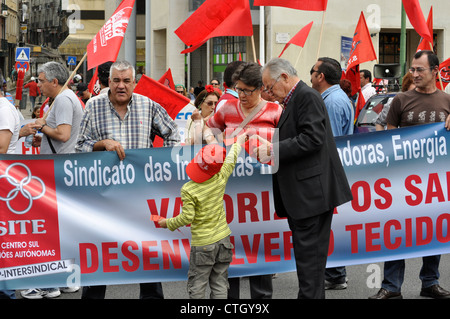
[288, 97]
[143, 120]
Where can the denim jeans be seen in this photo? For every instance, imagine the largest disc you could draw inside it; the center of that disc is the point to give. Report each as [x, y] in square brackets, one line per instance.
[394, 273]
[209, 265]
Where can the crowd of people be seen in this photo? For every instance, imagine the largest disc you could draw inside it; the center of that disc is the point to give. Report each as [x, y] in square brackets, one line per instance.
[277, 118]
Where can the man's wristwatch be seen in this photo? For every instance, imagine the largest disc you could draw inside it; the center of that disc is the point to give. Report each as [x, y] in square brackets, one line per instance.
[42, 127]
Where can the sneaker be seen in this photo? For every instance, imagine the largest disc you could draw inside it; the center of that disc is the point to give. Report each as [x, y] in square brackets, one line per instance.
[69, 289]
[37, 293]
[335, 286]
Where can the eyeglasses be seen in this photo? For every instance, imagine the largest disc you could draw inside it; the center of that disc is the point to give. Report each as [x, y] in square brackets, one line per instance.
[181, 92]
[211, 103]
[245, 91]
[214, 83]
[269, 90]
[313, 71]
[419, 70]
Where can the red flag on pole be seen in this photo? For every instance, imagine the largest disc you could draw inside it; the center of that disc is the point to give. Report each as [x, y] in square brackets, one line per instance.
[425, 45]
[93, 82]
[417, 19]
[105, 46]
[216, 18]
[444, 69]
[307, 5]
[362, 46]
[169, 99]
[299, 39]
[167, 79]
[353, 76]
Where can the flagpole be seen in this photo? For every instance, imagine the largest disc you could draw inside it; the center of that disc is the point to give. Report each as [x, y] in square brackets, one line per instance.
[321, 33]
[439, 71]
[298, 58]
[254, 49]
[66, 85]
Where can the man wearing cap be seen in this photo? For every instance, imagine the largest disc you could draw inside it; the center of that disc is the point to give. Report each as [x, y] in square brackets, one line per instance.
[83, 92]
[211, 249]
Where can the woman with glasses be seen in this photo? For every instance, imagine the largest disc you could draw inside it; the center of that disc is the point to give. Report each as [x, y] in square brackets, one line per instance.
[205, 102]
[262, 116]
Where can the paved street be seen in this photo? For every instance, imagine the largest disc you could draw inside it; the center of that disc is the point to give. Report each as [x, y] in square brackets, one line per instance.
[285, 285]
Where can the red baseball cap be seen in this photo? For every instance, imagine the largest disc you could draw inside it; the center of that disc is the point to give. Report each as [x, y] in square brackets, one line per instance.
[206, 163]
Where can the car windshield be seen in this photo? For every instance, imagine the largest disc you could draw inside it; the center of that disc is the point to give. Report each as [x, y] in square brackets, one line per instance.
[371, 110]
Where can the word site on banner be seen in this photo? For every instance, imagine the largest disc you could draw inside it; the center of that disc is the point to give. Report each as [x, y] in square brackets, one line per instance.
[98, 211]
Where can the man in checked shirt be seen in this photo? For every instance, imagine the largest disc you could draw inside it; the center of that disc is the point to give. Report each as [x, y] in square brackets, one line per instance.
[120, 120]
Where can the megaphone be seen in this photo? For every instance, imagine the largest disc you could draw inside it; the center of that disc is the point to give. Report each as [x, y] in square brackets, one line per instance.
[387, 71]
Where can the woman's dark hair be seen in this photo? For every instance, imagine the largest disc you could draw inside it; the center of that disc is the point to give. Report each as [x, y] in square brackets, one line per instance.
[204, 94]
[250, 73]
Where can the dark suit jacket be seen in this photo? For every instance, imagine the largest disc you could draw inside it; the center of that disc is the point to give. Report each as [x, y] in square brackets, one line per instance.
[310, 179]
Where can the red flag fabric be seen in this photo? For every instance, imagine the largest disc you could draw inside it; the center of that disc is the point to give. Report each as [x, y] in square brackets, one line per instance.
[425, 45]
[167, 79]
[19, 83]
[307, 5]
[93, 83]
[169, 99]
[359, 104]
[105, 46]
[216, 18]
[353, 76]
[362, 46]
[417, 19]
[299, 39]
[444, 69]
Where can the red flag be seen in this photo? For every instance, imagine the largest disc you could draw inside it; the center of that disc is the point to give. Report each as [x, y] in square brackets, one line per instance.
[307, 5]
[169, 99]
[19, 83]
[299, 39]
[216, 18]
[417, 19]
[93, 83]
[359, 104]
[425, 45]
[362, 46]
[353, 76]
[105, 46]
[167, 79]
[444, 69]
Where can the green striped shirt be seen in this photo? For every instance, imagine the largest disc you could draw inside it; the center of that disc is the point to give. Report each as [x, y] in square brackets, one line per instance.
[203, 205]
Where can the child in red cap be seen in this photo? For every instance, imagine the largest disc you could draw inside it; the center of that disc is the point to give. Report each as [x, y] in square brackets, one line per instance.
[211, 249]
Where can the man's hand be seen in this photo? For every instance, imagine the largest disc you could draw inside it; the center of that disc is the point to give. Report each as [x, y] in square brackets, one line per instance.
[111, 145]
[263, 151]
[447, 123]
[29, 129]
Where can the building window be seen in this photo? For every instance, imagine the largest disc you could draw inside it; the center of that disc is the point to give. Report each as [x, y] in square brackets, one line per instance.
[389, 48]
[226, 50]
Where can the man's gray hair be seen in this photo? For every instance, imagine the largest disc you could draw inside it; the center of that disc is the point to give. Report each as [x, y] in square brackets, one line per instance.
[54, 70]
[277, 66]
[122, 66]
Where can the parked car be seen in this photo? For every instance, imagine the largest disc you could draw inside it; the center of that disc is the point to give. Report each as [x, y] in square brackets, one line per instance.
[369, 114]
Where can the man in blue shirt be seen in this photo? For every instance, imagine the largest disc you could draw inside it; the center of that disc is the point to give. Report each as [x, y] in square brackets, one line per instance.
[325, 78]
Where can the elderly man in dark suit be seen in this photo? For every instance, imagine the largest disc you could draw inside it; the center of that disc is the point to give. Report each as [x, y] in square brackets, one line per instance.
[309, 181]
